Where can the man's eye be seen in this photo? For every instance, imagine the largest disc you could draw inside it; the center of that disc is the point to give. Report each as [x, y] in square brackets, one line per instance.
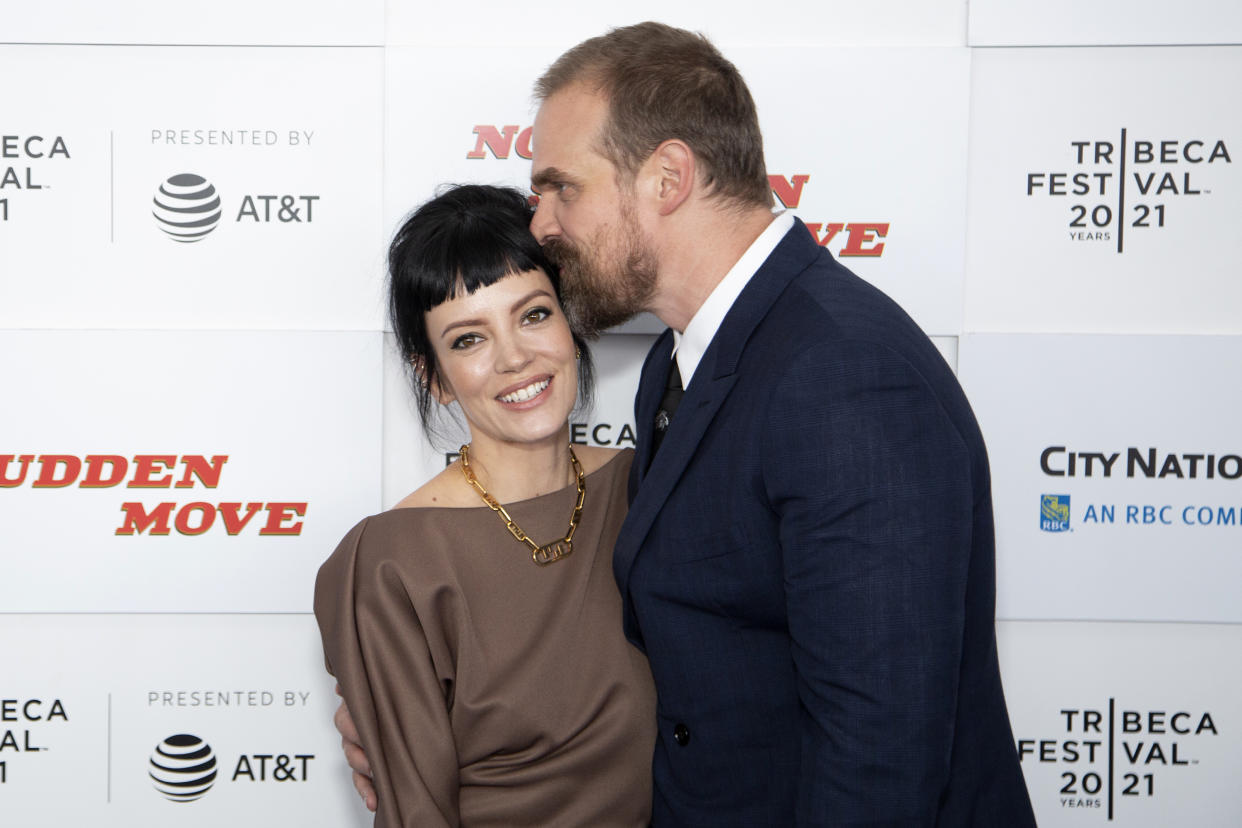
[465, 341]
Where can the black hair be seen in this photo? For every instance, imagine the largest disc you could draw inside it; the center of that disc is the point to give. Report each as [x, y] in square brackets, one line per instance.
[467, 237]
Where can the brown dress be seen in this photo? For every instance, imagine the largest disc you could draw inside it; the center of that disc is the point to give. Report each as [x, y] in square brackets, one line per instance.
[490, 691]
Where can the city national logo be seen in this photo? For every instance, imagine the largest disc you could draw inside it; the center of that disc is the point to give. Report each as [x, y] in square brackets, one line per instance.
[187, 207]
[183, 767]
[1054, 512]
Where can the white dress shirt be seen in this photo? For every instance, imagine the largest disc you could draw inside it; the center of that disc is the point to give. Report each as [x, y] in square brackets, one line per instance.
[689, 345]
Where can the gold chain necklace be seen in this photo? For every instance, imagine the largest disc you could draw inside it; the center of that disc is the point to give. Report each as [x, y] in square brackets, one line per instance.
[549, 552]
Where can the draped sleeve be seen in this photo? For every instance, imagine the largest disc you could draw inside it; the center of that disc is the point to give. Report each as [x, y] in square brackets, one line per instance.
[378, 647]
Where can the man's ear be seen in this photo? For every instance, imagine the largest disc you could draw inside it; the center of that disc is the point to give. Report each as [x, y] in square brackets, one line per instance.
[671, 172]
[439, 391]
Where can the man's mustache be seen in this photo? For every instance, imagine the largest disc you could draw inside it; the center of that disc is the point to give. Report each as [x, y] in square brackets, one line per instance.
[560, 252]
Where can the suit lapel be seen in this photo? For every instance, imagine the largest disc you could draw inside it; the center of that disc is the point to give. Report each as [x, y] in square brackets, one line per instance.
[713, 379]
[647, 402]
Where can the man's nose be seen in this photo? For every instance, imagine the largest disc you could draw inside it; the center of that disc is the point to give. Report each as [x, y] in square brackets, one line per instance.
[543, 226]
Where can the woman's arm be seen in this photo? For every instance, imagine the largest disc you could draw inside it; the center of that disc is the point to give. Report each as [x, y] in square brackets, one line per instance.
[377, 646]
[355, 756]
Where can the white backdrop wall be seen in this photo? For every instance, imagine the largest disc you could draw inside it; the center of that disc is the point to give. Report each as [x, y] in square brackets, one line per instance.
[189, 426]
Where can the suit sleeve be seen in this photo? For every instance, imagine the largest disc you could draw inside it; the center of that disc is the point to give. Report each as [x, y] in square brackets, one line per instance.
[378, 648]
[871, 483]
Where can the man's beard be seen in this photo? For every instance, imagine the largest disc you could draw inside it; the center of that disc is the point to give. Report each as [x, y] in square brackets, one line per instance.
[598, 295]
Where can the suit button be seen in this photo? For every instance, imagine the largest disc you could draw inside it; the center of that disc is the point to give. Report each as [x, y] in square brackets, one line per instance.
[681, 735]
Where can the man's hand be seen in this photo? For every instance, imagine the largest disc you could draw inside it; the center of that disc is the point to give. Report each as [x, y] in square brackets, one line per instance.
[354, 755]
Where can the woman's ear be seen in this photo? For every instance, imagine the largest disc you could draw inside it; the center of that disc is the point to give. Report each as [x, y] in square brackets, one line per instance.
[439, 391]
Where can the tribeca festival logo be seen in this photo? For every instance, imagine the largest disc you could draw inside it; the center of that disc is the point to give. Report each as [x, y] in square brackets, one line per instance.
[1205, 468]
[1054, 512]
[1111, 756]
[183, 768]
[153, 471]
[1128, 183]
[187, 207]
[26, 151]
[860, 238]
[24, 725]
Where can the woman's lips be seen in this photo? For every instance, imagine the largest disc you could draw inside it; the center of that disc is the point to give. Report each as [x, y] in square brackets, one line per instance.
[526, 392]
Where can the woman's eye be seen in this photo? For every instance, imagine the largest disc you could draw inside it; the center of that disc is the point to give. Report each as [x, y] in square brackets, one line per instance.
[536, 315]
[465, 341]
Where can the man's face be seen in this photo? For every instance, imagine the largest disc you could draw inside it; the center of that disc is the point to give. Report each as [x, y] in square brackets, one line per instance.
[586, 219]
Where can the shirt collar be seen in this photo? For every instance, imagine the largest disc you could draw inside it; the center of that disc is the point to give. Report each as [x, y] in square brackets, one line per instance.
[690, 345]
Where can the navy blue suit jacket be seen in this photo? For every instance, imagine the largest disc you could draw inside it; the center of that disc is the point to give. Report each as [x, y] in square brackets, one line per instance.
[808, 564]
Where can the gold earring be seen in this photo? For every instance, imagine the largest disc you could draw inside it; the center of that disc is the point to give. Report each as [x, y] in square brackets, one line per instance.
[577, 353]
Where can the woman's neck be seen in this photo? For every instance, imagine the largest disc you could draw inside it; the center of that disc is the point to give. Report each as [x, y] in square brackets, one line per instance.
[519, 471]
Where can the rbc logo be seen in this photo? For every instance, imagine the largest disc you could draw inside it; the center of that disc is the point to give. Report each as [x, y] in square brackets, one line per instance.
[1054, 513]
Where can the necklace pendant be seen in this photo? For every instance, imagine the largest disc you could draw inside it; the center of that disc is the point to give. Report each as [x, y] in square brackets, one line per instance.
[552, 552]
[548, 553]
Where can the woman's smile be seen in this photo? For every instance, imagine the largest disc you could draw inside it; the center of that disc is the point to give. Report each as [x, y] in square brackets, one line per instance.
[526, 392]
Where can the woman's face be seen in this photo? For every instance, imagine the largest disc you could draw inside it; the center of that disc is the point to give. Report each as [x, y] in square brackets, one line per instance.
[505, 353]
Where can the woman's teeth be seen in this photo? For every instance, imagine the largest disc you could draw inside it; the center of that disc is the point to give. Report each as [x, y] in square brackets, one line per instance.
[524, 394]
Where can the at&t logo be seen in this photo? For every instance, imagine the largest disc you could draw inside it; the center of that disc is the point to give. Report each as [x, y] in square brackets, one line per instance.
[183, 767]
[187, 207]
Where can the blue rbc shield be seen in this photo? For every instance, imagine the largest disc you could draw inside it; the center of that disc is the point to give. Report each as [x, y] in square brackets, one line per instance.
[1054, 513]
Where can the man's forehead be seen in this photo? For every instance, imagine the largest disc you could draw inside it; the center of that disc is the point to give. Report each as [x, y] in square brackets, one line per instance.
[578, 98]
[567, 114]
[564, 139]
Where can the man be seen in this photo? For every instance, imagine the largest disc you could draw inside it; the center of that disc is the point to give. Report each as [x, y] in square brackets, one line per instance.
[808, 561]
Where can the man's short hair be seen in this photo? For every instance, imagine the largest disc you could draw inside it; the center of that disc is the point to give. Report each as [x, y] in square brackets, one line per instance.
[663, 83]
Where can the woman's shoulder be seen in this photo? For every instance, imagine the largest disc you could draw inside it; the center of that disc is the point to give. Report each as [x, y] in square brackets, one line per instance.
[595, 458]
[407, 526]
[397, 545]
[439, 492]
[444, 490]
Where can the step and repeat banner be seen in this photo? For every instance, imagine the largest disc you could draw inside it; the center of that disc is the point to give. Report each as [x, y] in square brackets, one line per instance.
[195, 411]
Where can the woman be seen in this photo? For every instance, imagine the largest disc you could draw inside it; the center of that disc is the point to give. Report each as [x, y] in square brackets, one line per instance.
[479, 646]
